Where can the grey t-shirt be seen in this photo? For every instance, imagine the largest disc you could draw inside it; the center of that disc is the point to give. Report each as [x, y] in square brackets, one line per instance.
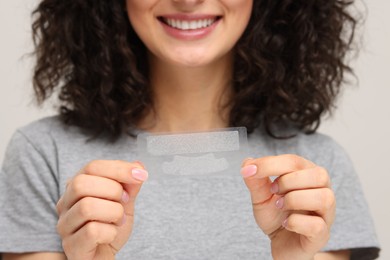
[184, 218]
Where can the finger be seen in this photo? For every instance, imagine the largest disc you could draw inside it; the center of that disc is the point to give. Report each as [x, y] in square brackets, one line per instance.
[131, 175]
[320, 201]
[311, 178]
[90, 209]
[313, 228]
[259, 188]
[83, 243]
[91, 186]
[120, 171]
[132, 191]
[60, 206]
[278, 165]
[267, 216]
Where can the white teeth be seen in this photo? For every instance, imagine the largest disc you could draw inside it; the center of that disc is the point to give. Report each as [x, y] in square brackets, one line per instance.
[199, 24]
[185, 25]
[193, 25]
[189, 25]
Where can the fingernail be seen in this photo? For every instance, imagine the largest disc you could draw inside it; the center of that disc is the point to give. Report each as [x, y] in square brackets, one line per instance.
[123, 220]
[279, 203]
[274, 187]
[139, 174]
[125, 197]
[248, 171]
[284, 223]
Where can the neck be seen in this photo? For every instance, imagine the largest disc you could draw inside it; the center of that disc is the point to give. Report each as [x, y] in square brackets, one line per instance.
[189, 99]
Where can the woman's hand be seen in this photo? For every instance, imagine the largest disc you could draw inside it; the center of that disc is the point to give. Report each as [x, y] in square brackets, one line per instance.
[297, 210]
[96, 212]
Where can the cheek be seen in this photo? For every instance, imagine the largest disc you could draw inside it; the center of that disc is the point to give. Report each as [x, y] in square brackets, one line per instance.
[242, 9]
[134, 10]
[238, 4]
[137, 13]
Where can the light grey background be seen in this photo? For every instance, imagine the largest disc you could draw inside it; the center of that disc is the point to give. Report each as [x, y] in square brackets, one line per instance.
[361, 124]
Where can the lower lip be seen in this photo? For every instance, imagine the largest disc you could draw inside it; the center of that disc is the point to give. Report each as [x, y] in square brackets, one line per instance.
[195, 34]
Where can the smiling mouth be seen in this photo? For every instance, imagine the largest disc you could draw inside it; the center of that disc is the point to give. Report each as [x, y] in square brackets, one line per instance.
[186, 25]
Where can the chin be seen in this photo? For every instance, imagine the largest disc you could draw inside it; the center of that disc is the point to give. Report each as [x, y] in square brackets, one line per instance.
[193, 64]
[196, 61]
[194, 57]
[190, 62]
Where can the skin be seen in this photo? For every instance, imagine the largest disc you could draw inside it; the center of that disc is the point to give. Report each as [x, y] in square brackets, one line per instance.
[297, 210]
[189, 77]
[189, 53]
[190, 84]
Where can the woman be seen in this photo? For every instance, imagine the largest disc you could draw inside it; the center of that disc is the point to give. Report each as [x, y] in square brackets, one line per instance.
[123, 67]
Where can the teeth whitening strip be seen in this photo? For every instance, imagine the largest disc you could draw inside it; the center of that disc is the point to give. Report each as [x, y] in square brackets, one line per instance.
[193, 154]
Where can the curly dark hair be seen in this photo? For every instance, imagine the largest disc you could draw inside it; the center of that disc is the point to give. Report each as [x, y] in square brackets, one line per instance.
[289, 63]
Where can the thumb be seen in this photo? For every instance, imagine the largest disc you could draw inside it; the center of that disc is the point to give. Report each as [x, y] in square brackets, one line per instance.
[266, 214]
[131, 190]
[259, 187]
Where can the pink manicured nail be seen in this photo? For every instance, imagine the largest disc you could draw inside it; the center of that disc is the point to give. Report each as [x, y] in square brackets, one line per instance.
[123, 220]
[279, 203]
[274, 187]
[139, 174]
[248, 171]
[125, 197]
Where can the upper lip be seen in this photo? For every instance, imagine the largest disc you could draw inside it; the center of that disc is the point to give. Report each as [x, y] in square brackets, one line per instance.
[189, 17]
